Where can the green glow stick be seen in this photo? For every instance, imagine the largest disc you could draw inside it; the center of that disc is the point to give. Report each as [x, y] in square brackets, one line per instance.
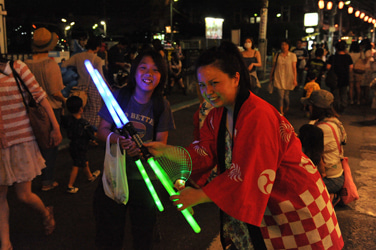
[149, 185]
[168, 185]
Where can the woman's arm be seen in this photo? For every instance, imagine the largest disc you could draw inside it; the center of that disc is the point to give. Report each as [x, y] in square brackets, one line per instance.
[259, 62]
[127, 144]
[295, 73]
[55, 135]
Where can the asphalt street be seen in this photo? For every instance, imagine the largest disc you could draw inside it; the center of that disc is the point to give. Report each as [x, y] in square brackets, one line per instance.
[75, 221]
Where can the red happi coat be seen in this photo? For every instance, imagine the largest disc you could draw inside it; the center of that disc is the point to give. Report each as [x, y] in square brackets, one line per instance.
[271, 183]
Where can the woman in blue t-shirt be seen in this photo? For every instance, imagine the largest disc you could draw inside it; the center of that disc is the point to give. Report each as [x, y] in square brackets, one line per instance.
[150, 113]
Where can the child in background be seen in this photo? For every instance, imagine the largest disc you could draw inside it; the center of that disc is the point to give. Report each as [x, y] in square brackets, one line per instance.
[310, 86]
[80, 132]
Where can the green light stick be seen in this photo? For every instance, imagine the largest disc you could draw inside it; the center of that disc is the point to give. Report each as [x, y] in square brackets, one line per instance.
[168, 185]
[120, 119]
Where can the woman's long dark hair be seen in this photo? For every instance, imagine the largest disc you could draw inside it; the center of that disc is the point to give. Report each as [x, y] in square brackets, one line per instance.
[228, 59]
[159, 62]
[322, 113]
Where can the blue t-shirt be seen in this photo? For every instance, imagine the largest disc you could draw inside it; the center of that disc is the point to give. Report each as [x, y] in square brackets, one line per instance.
[142, 118]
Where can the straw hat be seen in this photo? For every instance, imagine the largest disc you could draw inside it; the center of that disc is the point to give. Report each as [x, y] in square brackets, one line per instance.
[44, 40]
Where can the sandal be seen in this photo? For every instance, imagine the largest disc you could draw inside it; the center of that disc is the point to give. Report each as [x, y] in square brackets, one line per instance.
[49, 221]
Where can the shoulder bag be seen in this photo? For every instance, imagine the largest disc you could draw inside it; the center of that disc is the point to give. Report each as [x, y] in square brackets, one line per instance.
[349, 192]
[39, 120]
[271, 84]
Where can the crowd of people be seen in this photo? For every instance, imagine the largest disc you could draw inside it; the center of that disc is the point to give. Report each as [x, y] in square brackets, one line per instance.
[231, 115]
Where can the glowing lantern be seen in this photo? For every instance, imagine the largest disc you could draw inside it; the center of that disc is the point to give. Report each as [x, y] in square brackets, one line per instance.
[340, 5]
[321, 4]
[329, 5]
[350, 10]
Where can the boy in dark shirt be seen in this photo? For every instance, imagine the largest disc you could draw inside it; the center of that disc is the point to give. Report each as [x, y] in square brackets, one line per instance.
[316, 66]
[80, 132]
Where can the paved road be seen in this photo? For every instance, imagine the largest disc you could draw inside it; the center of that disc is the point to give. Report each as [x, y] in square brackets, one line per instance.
[75, 223]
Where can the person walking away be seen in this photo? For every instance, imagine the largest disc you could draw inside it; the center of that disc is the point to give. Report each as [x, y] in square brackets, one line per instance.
[80, 133]
[48, 75]
[324, 116]
[151, 115]
[283, 75]
[253, 190]
[20, 158]
[342, 65]
[252, 59]
[356, 76]
[316, 65]
[302, 57]
[85, 83]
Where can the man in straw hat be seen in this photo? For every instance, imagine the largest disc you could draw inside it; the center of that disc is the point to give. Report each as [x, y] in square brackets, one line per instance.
[47, 73]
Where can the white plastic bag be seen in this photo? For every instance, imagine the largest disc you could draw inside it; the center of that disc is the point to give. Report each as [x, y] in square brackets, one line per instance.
[115, 183]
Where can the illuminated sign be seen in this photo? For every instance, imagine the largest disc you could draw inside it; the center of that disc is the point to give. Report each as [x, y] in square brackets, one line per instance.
[213, 28]
[311, 19]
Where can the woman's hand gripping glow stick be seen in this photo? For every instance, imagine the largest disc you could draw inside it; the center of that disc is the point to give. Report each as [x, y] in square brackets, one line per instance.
[120, 120]
[168, 185]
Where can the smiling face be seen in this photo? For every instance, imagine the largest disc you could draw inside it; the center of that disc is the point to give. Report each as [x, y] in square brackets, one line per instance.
[217, 87]
[147, 75]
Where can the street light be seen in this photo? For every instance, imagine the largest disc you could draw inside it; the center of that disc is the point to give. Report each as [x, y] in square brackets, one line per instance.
[104, 27]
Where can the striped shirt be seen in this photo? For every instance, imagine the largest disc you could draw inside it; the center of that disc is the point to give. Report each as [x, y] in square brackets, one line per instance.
[14, 123]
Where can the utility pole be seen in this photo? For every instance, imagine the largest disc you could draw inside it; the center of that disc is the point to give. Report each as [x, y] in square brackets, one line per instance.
[262, 43]
[171, 24]
[3, 29]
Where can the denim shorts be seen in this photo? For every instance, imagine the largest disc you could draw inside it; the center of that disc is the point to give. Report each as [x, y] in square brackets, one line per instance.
[334, 185]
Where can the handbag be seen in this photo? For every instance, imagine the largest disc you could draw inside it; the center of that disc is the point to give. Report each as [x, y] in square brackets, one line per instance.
[348, 192]
[39, 119]
[271, 83]
[114, 179]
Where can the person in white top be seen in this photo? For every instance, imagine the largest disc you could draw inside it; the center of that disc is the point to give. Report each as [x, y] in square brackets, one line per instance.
[284, 75]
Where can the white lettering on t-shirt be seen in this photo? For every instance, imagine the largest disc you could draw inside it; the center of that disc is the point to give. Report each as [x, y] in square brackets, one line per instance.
[142, 118]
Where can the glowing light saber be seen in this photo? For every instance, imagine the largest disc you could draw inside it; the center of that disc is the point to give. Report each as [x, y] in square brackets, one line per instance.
[120, 120]
[118, 114]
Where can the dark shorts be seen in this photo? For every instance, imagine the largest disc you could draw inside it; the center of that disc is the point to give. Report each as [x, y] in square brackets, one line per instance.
[110, 217]
[79, 157]
[334, 185]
